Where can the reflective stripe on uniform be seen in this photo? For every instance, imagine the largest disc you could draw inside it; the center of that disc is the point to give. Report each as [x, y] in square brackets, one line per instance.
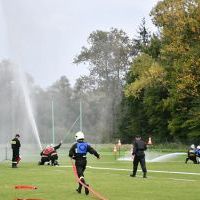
[82, 177]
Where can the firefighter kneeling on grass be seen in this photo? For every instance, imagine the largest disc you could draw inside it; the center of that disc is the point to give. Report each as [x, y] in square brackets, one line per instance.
[191, 154]
[78, 152]
[49, 154]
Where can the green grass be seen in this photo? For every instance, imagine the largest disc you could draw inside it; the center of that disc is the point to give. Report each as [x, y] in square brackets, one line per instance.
[58, 183]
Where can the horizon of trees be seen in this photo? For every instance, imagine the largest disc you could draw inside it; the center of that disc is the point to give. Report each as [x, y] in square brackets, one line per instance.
[148, 85]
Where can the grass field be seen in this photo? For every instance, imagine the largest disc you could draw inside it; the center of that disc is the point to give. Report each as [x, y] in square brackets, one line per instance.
[58, 183]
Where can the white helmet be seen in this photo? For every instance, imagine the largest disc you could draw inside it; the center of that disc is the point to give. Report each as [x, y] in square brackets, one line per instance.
[192, 146]
[198, 147]
[79, 135]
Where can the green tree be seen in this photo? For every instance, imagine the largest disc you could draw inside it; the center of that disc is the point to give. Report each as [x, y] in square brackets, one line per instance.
[179, 22]
[141, 110]
[146, 91]
[142, 40]
[108, 56]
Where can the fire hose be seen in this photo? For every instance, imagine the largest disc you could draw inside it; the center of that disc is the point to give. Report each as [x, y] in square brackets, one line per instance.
[99, 196]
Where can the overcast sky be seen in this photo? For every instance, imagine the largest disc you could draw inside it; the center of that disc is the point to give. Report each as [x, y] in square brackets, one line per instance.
[43, 36]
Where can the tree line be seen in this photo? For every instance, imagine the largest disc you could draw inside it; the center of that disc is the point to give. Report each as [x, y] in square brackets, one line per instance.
[161, 97]
[146, 85]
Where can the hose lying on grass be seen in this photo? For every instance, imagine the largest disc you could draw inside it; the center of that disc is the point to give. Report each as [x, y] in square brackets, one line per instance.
[28, 199]
[99, 196]
[25, 187]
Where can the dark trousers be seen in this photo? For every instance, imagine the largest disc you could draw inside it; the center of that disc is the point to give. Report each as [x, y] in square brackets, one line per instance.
[54, 159]
[43, 160]
[80, 168]
[15, 157]
[136, 161]
[192, 158]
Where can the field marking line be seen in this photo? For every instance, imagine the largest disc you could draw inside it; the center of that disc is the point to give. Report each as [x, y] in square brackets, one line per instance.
[171, 172]
[154, 171]
[181, 179]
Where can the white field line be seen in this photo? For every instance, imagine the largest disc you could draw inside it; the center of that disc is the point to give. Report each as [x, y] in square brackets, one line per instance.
[181, 179]
[154, 171]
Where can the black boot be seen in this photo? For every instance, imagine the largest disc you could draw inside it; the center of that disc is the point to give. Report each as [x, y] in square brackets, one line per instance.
[133, 174]
[14, 165]
[145, 175]
[79, 188]
[87, 190]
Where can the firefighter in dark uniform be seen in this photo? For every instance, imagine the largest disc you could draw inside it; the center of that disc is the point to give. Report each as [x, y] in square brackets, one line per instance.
[15, 145]
[78, 152]
[138, 154]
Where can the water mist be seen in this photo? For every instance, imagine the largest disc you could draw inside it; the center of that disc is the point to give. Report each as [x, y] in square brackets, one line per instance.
[23, 83]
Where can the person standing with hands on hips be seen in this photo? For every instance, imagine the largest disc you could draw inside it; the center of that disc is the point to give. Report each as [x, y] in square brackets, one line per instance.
[138, 154]
[78, 152]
